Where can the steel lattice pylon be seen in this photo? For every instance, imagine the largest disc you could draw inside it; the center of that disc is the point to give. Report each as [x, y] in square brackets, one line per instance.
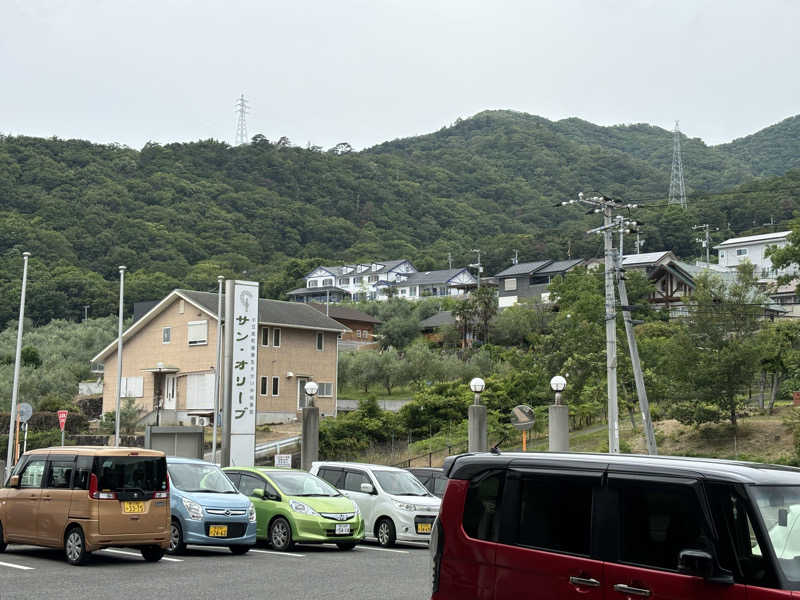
[677, 190]
[241, 125]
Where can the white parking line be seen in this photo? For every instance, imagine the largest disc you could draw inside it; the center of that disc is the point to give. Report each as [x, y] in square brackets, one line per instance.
[13, 566]
[381, 549]
[277, 553]
[139, 554]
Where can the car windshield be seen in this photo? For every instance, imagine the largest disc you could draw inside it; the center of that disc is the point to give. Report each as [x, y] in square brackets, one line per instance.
[780, 510]
[297, 483]
[195, 477]
[400, 483]
[143, 473]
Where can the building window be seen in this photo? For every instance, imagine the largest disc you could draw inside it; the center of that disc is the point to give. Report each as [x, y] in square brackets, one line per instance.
[198, 333]
[276, 337]
[540, 279]
[403, 291]
[320, 341]
[358, 333]
[742, 252]
[510, 284]
[166, 335]
[265, 336]
[722, 253]
[344, 281]
[264, 386]
[373, 278]
[276, 381]
[132, 387]
[325, 390]
[312, 283]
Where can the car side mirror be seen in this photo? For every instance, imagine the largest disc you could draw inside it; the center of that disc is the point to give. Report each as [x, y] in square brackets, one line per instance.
[701, 564]
[259, 493]
[13, 482]
[367, 488]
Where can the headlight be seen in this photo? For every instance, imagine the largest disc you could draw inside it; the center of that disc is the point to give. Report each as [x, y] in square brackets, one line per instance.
[355, 508]
[301, 508]
[404, 506]
[251, 513]
[193, 508]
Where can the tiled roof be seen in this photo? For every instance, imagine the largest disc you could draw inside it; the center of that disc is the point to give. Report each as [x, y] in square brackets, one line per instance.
[430, 277]
[387, 265]
[444, 317]
[278, 312]
[306, 291]
[645, 258]
[337, 311]
[560, 266]
[523, 268]
[754, 239]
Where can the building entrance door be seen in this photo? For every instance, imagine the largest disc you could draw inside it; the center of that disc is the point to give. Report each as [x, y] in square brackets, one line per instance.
[170, 391]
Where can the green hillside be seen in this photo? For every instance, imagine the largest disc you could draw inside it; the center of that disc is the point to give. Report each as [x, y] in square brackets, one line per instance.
[180, 214]
[771, 151]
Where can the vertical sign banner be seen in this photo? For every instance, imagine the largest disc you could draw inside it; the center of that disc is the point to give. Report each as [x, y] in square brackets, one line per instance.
[244, 329]
[62, 418]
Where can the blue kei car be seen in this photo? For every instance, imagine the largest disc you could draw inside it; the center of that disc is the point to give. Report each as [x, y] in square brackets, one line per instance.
[207, 509]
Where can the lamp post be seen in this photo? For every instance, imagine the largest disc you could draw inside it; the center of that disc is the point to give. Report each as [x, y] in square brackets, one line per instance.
[13, 415]
[558, 418]
[119, 353]
[477, 418]
[217, 371]
[310, 445]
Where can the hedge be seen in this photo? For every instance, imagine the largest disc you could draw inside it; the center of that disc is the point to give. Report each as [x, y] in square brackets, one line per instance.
[43, 421]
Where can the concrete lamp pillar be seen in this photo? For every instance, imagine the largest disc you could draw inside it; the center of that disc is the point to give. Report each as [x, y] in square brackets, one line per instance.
[310, 443]
[558, 418]
[477, 429]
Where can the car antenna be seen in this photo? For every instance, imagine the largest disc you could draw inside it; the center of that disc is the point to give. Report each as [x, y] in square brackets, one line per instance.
[496, 448]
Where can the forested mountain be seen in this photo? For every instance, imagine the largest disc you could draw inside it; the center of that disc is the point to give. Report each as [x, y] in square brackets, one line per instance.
[180, 214]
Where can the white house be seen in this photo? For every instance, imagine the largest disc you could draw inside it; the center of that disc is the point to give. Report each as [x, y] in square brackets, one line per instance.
[753, 248]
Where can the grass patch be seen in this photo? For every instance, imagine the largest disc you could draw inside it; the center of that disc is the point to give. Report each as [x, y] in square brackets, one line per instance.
[399, 393]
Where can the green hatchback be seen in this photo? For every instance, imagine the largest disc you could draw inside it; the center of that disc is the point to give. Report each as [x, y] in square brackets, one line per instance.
[295, 506]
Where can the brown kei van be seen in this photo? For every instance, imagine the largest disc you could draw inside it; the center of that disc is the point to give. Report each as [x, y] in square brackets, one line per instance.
[86, 499]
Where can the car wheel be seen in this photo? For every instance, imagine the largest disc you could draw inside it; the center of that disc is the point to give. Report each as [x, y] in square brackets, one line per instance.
[152, 553]
[280, 534]
[75, 546]
[386, 532]
[2, 543]
[176, 543]
[346, 545]
[239, 550]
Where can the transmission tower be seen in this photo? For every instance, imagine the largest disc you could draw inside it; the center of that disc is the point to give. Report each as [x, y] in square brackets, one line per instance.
[241, 126]
[677, 191]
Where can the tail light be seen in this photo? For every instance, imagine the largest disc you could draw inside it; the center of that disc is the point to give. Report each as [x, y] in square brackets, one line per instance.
[165, 493]
[98, 495]
[437, 550]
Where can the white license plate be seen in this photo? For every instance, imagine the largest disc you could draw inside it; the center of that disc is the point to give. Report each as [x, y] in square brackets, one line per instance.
[342, 529]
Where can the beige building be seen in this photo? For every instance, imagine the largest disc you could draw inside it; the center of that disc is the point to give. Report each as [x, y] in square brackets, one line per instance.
[169, 356]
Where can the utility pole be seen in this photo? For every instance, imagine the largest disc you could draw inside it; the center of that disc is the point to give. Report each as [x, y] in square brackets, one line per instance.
[705, 241]
[478, 266]
[638, 242]
[85, 312]
[119, 353]
[450, 260]
[641, 391]
[605, 205]
[217, 371]
[515, 260]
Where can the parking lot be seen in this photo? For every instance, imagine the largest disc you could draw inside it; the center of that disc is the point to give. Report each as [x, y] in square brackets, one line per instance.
[314, 572]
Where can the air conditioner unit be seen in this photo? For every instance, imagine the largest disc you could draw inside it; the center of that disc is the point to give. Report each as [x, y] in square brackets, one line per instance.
[193, 420]
[202, 421]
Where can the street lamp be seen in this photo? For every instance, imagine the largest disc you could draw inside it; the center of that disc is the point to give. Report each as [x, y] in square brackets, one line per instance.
[477, 385]
[311, 389]
[557, 384]
[558, 418]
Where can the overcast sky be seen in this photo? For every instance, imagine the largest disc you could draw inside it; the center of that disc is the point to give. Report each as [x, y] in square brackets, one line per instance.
[366, 71]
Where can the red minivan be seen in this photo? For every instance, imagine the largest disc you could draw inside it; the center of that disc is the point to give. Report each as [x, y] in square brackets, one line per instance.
[600, 526]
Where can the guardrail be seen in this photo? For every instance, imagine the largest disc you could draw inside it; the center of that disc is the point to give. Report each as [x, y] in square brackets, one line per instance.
[274, 447]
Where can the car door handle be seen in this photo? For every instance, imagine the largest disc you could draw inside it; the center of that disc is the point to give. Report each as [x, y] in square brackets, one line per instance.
[584, 582]
[46, 498]
[633, 591]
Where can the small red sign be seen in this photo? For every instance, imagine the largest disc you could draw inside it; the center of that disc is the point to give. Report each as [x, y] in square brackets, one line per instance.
[62, 418]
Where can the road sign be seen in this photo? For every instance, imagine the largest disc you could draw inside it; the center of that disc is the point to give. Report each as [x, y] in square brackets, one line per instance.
[62, 418]
[25, 411]
[283, 460]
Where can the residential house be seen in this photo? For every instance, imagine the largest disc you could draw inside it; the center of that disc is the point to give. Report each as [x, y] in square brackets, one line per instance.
[431, 327]
[786, 297]
[361, 281]
[169, 357]
[673, 281]
[446, 282]
[361, 326]
[531, 279]
[734, 251]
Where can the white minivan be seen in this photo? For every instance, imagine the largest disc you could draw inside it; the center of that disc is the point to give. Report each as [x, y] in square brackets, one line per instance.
[394, 504]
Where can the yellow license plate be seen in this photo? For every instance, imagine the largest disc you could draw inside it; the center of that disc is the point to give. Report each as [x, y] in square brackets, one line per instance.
[423, 527]
[218, 531]
[133, 507]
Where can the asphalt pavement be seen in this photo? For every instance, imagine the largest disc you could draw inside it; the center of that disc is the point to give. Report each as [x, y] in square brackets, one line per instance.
[308, 572]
